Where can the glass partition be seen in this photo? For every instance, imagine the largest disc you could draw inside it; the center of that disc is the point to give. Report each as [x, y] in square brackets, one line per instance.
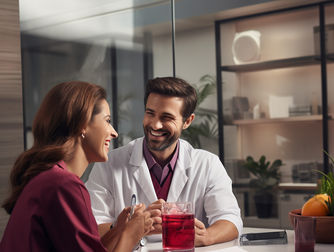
[118, 45]
[103, 42]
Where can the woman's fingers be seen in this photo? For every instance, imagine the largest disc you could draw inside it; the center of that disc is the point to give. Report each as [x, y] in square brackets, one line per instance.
[123, 216]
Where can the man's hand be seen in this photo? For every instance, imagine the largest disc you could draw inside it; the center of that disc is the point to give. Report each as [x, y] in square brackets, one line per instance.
[155, 211]
[220, 231]
[202, 237]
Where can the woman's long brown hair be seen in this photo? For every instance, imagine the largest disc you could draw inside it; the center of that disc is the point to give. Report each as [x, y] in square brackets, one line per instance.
[64, 113]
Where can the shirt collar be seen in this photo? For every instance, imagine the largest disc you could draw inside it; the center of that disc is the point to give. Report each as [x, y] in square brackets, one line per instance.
[151, 161]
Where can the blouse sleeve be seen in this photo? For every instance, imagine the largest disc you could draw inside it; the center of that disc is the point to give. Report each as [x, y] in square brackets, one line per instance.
[69, 221]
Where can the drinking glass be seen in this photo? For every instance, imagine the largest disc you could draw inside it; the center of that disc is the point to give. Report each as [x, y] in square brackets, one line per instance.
[304, 234]
[178, 231]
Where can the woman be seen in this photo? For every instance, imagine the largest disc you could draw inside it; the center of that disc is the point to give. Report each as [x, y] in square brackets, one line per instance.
[49, 205]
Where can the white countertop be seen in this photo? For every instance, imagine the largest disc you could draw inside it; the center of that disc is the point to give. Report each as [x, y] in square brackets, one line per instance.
[233, 246]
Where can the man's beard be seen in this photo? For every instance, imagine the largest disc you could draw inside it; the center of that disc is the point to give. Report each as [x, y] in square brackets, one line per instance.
[154, 145]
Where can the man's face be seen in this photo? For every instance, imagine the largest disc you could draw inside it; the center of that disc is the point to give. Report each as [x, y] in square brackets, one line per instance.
[163, 122]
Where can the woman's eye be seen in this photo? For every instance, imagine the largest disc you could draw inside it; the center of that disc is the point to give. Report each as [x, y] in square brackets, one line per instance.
[109, 121]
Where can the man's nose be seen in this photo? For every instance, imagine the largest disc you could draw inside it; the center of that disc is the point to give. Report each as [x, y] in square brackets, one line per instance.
[156, 124]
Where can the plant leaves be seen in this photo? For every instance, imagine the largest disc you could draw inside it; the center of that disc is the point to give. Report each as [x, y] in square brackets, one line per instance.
[267, 177]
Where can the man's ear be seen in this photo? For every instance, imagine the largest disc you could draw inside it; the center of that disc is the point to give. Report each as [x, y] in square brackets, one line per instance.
[189, 120]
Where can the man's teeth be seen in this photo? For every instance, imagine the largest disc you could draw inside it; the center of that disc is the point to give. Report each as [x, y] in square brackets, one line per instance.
[108, 143]
[157, 133]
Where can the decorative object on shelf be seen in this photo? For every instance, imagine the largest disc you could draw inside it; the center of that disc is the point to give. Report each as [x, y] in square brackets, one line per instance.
[206, 120]
[300, 110]
[240, 106]
[279, 106]
[302, 173]
[246, 47]
[266, 179]
[256, 111]
[329, 39]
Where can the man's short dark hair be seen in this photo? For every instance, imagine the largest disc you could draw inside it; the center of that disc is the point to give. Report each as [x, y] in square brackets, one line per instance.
[172, 86]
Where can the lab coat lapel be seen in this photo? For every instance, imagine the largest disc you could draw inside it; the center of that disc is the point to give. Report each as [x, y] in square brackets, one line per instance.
[180, 176]
[140, 172]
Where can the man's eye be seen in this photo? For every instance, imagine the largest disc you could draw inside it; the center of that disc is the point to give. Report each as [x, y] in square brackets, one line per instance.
[167, 118]
[109, 121]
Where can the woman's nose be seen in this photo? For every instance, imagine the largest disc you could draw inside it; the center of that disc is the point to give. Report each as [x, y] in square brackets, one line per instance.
[113, 132]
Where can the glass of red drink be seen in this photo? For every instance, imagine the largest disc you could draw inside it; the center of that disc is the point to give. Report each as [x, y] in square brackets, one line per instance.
[304, 234]
[178, 231]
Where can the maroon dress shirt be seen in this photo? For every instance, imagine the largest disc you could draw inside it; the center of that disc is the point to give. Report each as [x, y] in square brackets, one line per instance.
[53, 213]
[161, 176]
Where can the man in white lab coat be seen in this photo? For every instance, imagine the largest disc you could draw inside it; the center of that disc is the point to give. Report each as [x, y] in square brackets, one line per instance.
[162, 167]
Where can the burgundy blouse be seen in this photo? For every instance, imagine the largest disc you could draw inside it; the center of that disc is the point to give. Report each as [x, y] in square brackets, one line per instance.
[53, 213]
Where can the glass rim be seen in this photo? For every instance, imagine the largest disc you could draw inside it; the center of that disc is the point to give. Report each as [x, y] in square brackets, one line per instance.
[180, 207]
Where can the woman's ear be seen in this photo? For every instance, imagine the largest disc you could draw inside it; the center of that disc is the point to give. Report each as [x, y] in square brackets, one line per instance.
[83, 134]
[188, 121]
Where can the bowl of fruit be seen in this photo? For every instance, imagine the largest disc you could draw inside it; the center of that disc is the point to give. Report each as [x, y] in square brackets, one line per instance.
[320, 207]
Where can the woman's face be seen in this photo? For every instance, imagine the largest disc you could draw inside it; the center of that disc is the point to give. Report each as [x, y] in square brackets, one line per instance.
[98, 135]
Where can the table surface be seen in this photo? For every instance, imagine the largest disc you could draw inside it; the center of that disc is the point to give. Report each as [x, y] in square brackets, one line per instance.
[233, 246]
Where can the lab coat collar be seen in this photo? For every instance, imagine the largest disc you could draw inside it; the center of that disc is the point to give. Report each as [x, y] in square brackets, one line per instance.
[180, 176]
[140, 171]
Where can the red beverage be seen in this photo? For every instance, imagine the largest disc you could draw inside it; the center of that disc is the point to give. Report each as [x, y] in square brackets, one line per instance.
[178, 231]
[305, 246]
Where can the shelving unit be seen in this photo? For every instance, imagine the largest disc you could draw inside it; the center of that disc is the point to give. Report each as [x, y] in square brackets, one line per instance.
[244, 80]
[297, 186]
[282, 63]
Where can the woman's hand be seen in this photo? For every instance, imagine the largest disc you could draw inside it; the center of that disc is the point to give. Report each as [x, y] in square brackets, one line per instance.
[134, 228]
[140, 223]
[122, 219]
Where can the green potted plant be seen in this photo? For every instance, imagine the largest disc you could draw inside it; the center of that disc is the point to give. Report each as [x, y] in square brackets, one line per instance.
[205, 124]
[326, 186]
[266, 179]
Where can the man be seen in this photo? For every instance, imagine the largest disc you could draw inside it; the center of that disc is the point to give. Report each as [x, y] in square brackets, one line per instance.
[162, 166]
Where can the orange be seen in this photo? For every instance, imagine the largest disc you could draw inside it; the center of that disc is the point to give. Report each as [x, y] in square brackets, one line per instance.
[316, 206]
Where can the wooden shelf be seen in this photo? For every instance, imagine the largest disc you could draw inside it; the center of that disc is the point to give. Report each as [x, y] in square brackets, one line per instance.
[275, 64]
[297, 186]
[310, 118]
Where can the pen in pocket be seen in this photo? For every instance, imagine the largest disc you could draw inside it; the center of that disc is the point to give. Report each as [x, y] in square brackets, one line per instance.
[133, 204]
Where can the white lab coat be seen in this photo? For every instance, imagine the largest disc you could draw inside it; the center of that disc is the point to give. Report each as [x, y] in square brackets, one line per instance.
[199, 177]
